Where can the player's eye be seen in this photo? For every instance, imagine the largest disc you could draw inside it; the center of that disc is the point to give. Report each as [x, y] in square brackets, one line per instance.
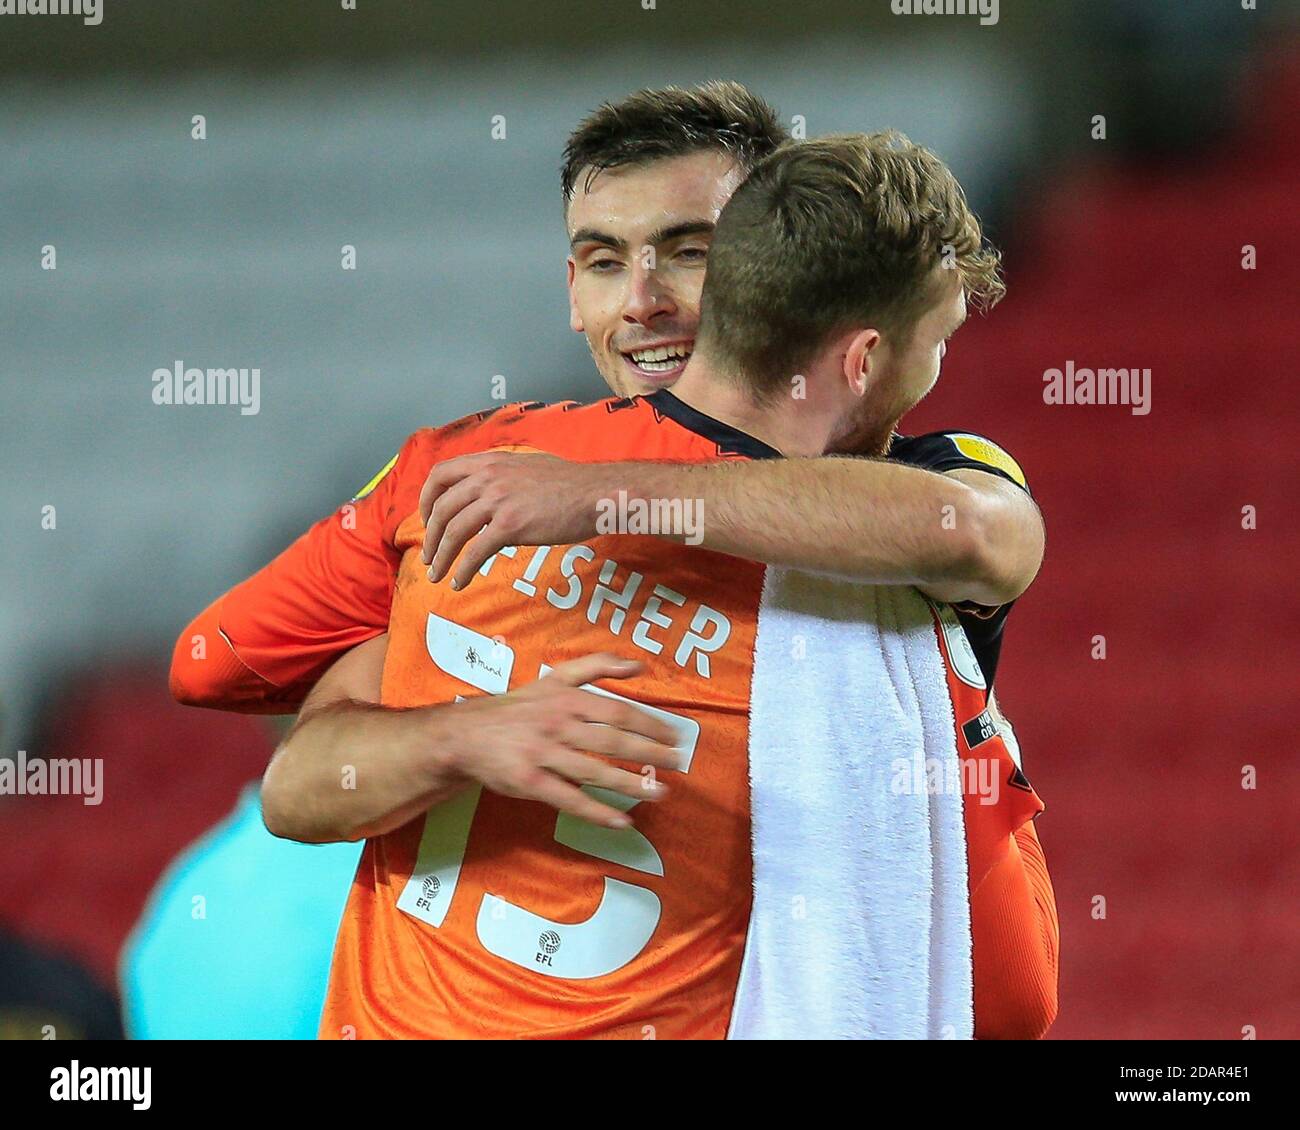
[693, 254]
[602, 266]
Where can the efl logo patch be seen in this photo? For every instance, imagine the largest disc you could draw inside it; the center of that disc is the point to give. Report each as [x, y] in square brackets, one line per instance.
[982, 451]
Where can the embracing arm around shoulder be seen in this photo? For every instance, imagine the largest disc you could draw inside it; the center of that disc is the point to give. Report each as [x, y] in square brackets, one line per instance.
[961, 535]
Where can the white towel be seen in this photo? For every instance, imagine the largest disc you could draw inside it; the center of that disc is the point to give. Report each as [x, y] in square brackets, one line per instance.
[860, 925]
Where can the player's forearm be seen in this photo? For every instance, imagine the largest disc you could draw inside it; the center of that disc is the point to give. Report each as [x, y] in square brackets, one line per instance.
[353, 770]
[861, 519]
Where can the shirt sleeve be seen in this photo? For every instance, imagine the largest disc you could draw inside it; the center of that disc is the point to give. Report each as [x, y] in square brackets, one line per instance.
[952, 451]
[262, 646]
[1015, 936]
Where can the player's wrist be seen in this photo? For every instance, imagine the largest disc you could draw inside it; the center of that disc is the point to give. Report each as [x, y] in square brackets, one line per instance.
[441, 743]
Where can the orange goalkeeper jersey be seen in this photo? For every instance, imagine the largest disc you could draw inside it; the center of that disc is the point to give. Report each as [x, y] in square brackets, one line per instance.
[499, 917]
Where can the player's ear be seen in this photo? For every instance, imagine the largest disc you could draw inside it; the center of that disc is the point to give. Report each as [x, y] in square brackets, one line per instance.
[575, 319]
[858, 360]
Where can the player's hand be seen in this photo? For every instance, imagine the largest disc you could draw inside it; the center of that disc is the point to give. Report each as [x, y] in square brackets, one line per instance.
[536, 743]
[481, 503]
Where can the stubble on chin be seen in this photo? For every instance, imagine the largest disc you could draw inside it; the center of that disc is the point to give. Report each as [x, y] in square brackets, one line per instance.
[868, 439]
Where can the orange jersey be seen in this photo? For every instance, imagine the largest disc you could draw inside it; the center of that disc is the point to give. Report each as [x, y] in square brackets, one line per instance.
[499, 917]
[496, 917]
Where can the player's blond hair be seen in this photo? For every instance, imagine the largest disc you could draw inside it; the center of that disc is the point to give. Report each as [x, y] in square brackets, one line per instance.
[828, 234]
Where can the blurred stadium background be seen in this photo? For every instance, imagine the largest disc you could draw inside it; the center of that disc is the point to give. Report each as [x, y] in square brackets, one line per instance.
[328, 127]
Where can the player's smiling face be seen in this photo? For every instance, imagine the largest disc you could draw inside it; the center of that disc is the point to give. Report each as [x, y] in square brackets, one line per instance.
[639, 240]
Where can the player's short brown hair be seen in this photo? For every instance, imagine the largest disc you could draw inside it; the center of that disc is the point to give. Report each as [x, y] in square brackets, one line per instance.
[671, 122]
[828, 234]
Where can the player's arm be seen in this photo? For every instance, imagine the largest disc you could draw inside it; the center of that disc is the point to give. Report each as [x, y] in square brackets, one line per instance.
[261, 646]
[348, 768]
[351, 769]
[964, 535]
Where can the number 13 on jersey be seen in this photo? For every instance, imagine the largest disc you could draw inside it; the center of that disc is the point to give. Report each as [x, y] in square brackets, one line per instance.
[619, 927]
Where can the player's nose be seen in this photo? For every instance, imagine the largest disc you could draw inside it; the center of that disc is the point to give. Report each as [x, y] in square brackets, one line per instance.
[647, 298]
